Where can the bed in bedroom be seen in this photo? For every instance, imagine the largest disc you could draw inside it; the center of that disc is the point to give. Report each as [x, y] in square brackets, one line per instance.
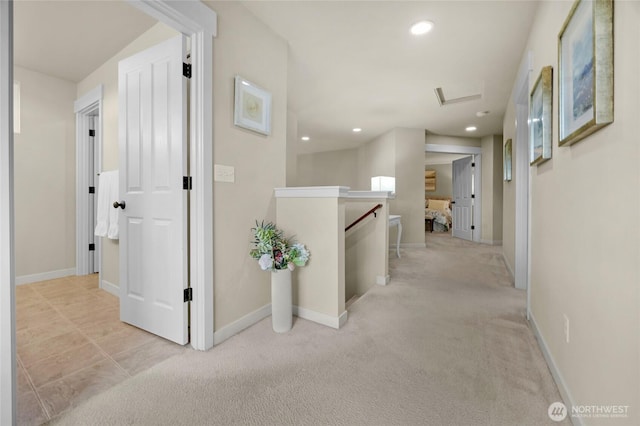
[437, 214]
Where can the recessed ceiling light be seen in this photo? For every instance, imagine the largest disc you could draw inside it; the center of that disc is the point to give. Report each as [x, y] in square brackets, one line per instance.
[305, 138]
[357, 130]
[471, 129]
[421, 27]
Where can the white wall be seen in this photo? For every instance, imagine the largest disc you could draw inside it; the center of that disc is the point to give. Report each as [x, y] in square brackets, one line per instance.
[319, 224]
[292, 149]
[492, 189]
[45, 175]
[247, 47]
[329, 168]
[509, 192]
[444, 176]
[376, 158]
[496, 190]
[451, 140]
[585, 233]
[409, 173]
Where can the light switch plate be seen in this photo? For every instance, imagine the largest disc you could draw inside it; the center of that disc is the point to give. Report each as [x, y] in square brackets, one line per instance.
[224, 173]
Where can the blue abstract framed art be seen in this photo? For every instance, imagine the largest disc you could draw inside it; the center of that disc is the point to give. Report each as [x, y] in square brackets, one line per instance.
[585, 70]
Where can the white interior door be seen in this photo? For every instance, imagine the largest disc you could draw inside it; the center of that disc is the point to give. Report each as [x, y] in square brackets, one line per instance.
[153, 218]
[462, 204]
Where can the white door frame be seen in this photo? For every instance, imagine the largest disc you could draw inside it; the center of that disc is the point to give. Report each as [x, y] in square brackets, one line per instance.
[7, 265]
[522, 180]
[477, 177]
[198, 22]
[88, 105]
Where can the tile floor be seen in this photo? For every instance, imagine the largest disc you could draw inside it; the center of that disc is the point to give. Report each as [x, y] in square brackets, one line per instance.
[72, 345]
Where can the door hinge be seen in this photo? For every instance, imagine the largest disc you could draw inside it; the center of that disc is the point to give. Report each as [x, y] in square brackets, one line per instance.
[188, 295]
[473, 227]
[92, 190]
[473, 164]
[187, 183]
[186, 70]
[92, 247]
[473, 195]
[92, 133]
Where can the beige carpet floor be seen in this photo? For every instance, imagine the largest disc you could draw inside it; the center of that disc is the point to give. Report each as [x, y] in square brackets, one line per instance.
[445, 343]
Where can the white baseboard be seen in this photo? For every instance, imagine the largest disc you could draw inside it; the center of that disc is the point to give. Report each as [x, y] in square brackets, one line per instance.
[492, 242]
[256, 316]
[237, 326]
[408, 245]
[342, 319]
[322, 319]
[509, 268]
[555, 372]
[51, 275]
[110, 288]
[380, 280]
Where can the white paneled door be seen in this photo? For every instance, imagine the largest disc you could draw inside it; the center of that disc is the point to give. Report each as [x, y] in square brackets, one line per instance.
[153, 204]
[462, 207]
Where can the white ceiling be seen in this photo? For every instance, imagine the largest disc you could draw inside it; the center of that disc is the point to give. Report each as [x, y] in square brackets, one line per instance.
[69, 39]
[355, 64]
[351, 63]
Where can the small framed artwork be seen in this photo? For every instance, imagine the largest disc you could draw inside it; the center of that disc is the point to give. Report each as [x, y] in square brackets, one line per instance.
[540, 105]
[252, 109]
[429, 180]
[585, 70]
[508, 151]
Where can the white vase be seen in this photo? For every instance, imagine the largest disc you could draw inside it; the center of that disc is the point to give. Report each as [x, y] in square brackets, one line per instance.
[281, 301]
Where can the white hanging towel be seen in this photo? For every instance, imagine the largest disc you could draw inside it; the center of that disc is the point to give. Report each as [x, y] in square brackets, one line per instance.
[107, 215]
[113, 231]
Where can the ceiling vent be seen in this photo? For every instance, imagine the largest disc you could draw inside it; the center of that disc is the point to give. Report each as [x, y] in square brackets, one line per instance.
[444, 101]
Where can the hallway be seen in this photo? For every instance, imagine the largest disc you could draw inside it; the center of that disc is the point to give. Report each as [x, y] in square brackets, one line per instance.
[446, 342]
[72, 346]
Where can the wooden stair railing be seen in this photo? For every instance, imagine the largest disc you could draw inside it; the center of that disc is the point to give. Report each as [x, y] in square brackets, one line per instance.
[361, 218]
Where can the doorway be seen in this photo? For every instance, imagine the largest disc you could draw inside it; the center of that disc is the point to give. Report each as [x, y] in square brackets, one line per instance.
[69, 330]
[88, 110]
[199, 23]
[457, 152]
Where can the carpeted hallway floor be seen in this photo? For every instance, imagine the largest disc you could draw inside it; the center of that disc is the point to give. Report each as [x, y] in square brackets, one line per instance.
[445, 343]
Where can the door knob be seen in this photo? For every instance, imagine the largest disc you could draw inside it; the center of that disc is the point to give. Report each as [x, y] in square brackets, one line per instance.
[120, 204]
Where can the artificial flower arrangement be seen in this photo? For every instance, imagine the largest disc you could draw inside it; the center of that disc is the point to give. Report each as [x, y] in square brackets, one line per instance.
[275, 252]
